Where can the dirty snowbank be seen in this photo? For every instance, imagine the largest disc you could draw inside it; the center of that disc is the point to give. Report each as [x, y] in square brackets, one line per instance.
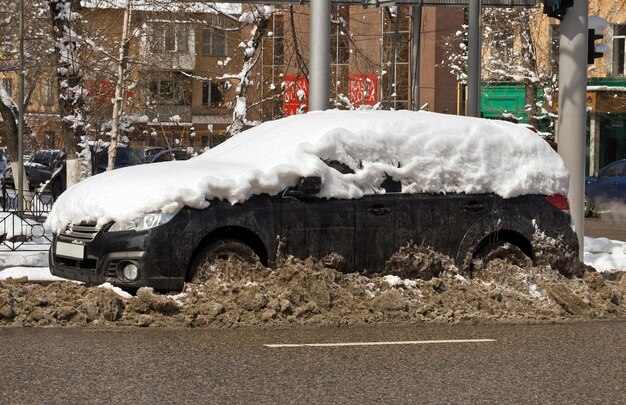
[427, 289]
[427, 152]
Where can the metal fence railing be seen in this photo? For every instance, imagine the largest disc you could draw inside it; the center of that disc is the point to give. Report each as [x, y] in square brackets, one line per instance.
[24, 230]
[36, 205]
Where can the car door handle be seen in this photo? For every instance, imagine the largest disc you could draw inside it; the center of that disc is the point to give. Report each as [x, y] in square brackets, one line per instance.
[376, 210]
[474, 206]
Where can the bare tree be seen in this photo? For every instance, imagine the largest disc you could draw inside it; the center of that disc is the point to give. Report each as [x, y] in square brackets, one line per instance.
[72, 93]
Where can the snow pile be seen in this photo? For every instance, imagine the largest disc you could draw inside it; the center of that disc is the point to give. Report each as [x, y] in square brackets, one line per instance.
[604, 254]
[427, 152]
[306, 292]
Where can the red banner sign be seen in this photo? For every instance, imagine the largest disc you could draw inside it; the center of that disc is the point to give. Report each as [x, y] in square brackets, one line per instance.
[363, 90]
[295, 95]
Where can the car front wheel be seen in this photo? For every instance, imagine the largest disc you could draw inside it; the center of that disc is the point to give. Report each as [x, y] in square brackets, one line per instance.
[230, 250]
[588, 208]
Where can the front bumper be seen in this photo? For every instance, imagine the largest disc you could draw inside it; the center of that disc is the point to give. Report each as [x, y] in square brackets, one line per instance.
[106, 255]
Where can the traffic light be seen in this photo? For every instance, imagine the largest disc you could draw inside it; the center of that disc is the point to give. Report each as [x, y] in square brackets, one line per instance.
[556, 8]
[596, 31]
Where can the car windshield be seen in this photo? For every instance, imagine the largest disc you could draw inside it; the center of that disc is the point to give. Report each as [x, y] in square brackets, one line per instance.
[124, 157]
[614, 170]
[3, 156]
[127, 157]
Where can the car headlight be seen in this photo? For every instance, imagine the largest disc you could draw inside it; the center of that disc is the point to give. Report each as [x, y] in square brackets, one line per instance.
[142, 223]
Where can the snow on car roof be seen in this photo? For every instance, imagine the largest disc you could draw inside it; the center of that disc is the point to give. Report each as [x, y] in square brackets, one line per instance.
[427, 152]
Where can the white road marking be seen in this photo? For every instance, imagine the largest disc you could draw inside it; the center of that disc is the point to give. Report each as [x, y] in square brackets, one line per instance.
[407, 342]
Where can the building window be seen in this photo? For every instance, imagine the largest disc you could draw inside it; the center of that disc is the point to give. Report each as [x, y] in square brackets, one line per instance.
[48, 93]
[170, 90]
[618, 41]
[213, 42]
[555, 39]
[212, 94]
[169, 37]
[340, 49]
[214, 35]
[8, 86]
[502, 45]
[273, 56]
[395, 83]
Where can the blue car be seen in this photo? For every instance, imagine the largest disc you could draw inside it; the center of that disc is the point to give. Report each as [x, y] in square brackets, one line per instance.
[606, 190]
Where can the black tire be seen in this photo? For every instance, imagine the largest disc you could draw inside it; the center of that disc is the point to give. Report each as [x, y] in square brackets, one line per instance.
[499, 249]
[588, 208]
[224, 249]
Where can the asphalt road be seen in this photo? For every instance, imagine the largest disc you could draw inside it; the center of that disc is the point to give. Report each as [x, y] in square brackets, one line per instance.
[608, 226]
[580, 363]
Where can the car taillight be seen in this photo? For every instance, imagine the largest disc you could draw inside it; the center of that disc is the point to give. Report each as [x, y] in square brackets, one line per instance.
[559, 201]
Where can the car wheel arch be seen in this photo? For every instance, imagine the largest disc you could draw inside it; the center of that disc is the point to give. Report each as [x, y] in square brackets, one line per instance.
[502, 226]
[238, 233]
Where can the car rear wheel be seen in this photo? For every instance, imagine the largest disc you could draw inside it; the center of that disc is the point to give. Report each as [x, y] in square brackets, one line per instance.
[499, 249]
[230, 250]
[588, 208]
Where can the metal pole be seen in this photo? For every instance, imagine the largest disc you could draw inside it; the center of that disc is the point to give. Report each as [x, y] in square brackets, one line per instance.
[20, 119]
[319, 51]
[394, 57]
[572, 109]
[473, 59]
[415, 54]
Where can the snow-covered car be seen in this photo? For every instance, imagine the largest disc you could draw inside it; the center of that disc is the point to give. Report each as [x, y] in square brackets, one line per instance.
[606, 189]
[361, 184]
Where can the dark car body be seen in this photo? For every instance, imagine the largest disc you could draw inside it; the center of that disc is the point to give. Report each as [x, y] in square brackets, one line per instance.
[606, 190]
[38, 169]
[364, 231]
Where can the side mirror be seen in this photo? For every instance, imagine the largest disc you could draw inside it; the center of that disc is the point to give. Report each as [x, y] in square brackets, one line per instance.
[306, 186]
[309, 185]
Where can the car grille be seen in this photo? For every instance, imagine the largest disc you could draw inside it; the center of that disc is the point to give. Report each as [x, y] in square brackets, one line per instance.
[85, 232]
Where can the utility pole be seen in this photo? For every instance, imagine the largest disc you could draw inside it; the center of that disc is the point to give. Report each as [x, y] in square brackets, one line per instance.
[20, 119]
[473, 58]
[573, 109]
[319, 70]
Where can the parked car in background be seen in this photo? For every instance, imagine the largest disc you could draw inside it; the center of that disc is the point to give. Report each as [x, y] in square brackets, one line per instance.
[4, 162]
[124, 157]
[150, 152]
[38, 169]
[165, 155]
[315, 187]
[606, 189]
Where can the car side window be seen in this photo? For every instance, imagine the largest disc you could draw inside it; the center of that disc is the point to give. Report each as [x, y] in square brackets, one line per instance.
[38, 158]
[616, 170]
[390, 185]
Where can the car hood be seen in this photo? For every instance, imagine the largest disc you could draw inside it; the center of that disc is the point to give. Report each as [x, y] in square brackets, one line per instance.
[427, 152]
